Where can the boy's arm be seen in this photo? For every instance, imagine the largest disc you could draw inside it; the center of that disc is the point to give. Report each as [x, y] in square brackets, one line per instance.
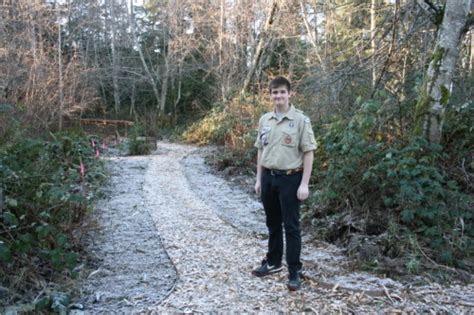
[303, 190]
[258, 144]
[259, 173]
[307, 145]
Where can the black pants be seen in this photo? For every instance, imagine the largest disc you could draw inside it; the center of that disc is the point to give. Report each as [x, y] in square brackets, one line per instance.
[282, 208]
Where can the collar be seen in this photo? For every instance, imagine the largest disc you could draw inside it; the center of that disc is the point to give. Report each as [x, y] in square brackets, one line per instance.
[290, 114]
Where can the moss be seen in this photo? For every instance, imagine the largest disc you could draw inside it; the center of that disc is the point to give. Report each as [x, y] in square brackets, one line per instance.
[421, 109]
[438, 19]
[424, 102]
[444, 95]
[437, 56]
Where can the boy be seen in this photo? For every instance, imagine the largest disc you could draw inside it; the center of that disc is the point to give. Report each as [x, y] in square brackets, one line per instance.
[285, 145]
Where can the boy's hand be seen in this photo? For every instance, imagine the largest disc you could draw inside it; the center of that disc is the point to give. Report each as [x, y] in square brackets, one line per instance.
[258, 189]
[303, 192]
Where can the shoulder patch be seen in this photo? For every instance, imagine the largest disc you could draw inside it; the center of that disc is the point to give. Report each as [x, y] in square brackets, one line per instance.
[306, 120]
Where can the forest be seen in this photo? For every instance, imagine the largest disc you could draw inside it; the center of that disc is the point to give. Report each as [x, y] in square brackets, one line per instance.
[388, 85]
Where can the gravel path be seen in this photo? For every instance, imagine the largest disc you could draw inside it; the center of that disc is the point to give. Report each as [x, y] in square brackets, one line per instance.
[214, 234]
[129, 269]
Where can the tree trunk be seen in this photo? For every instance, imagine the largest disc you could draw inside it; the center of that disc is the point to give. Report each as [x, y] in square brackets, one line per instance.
[262, 42]
[33, 70]
[1, 200]
[114, 59]
[98, 69]
[436, 91]
[178, 97]
[242, 35]
[132, 99]
[164, 85]
[373, 46]
[60, 69]
[312, 32]
[131, 19]
[221, 52]
[471, 52]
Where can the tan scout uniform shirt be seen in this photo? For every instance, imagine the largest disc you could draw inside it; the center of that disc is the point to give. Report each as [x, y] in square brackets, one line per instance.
[284, 142]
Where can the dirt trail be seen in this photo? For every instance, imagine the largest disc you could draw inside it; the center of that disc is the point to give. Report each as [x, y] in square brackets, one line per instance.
[214, 234]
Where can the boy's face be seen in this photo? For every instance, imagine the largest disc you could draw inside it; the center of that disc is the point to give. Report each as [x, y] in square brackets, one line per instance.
[280, 95]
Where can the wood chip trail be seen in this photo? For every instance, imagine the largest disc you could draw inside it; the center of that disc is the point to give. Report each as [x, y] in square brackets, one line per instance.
[214, 259]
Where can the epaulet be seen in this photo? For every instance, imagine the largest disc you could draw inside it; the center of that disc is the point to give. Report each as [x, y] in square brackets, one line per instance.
[305, 117]
[300, 112]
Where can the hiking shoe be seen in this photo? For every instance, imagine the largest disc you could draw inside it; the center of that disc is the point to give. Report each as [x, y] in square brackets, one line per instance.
[294, 282]
[266, 269]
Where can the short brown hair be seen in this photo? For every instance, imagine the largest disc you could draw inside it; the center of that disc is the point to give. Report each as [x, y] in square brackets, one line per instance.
[279, 81]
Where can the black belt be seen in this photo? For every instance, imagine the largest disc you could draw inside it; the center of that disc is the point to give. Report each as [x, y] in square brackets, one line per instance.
[284, 172]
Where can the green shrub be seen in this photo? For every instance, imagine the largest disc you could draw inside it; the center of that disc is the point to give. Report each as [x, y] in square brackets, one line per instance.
[346, 150]
[361, 167]
[428, 202]
[138, 144]
[43, 194]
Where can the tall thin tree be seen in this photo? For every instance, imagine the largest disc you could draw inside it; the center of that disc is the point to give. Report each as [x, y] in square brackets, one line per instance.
[437, 89]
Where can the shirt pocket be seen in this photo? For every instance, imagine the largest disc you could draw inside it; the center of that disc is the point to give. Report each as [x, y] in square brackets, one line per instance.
[289, 138]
